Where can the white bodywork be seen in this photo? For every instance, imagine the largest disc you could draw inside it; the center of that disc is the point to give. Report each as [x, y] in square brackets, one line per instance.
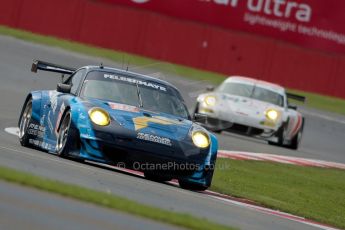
[246, 111]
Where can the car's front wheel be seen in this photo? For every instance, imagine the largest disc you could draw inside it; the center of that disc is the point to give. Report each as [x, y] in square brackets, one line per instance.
[155, 176]
[24, 122]
[191, 186]
[67, 139]
[280, 137]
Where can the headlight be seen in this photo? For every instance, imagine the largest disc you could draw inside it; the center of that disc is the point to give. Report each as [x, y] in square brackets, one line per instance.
[210, 100]
[272, 114]
[99, 116]
[201, 139]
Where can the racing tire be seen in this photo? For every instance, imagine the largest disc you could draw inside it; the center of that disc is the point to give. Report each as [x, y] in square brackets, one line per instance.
[280, 136]
[67, 137]
[196, 110]
[192, 186]
[155, 177]
[25, 120]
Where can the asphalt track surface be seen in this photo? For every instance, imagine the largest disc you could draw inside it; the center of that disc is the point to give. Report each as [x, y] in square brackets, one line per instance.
[323, 139]
[34, 209]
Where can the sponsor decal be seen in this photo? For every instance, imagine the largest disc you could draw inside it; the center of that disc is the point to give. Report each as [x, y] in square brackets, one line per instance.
[36, 130]
[40, 144]
[82, 116]
[284, 9]
[143, 122]
[123, 107]
[140, 1]
[309, 23]
[154, 138]
[134, 81]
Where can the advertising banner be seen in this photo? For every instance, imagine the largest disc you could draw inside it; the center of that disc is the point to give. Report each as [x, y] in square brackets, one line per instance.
[310, 23]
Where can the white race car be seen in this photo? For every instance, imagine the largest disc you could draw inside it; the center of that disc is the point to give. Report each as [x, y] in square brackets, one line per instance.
[254, 108]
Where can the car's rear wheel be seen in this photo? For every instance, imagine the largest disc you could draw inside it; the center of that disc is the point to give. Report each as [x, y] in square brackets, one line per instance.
[67, 139]
[25, 120]
[191, 186]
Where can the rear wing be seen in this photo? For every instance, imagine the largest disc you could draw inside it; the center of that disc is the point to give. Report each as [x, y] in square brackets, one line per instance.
[46, 66]
[296, 97]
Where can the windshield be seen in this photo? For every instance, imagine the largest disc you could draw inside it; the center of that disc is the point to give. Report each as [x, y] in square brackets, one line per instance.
[141, 93]
[252, 91]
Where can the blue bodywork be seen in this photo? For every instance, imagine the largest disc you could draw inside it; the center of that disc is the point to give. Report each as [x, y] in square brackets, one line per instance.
[119, 142]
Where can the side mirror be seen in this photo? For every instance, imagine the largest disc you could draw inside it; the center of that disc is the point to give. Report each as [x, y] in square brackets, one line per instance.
[199, 117]
[294, 107]
[63, 88]
[210, 88]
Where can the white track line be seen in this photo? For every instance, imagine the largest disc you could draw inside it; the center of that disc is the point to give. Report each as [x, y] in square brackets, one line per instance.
[12, 130]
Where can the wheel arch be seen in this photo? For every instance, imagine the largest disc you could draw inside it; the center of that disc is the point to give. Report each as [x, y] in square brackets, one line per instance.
[67, 109]
[72, 147]
[36, 98]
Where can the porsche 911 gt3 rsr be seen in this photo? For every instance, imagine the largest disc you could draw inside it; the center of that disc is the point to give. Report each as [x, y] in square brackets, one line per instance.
[253, 107]
[111, 115]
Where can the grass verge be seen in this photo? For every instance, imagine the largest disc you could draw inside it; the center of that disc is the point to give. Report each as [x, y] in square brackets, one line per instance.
[108, 200]
[317, 101]
[311, 192]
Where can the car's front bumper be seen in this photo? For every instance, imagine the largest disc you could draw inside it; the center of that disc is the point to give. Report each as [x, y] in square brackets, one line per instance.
[239, 127]
[127, 151]
[219, 119]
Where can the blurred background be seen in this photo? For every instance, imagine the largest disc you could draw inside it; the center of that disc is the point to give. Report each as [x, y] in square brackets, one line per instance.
[299, 44]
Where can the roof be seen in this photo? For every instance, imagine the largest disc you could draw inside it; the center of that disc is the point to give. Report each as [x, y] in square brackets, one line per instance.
[260, 83]
[131, 74]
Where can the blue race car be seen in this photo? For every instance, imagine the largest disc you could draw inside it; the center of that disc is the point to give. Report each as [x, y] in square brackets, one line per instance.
[118, 117]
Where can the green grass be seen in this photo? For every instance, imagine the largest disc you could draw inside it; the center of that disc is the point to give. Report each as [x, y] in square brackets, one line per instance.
[317, 101]
[314, 193]
[108, 200]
